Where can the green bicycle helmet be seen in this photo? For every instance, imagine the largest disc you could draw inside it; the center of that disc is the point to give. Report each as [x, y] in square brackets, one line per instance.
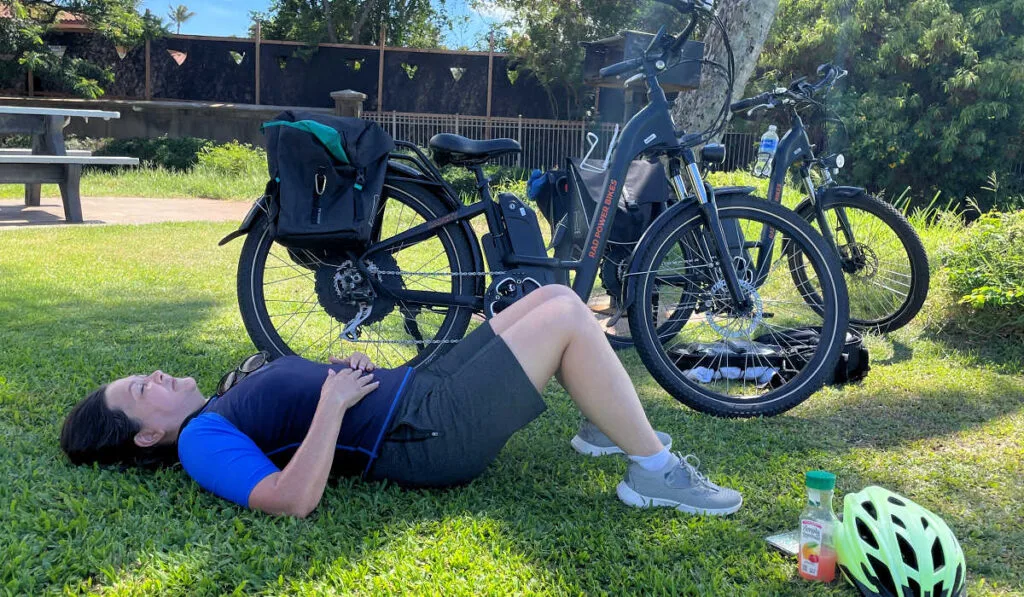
[888, 546]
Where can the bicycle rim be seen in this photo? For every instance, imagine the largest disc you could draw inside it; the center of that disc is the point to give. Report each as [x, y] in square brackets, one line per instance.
[297, 304]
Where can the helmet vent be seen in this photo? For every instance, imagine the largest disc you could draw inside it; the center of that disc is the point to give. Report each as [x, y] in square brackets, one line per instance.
[884, 576]
[915, 589]
[938, 558]
[865, 534]
[924, 523]
[939, 590]
[870, 509]
[958, 581]
[895, 500]
[896, 520]
[909, 557]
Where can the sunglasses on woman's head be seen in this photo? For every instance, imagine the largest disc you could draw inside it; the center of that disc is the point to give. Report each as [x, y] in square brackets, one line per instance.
[240, 372]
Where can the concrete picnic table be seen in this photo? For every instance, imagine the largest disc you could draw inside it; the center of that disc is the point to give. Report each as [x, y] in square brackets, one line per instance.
[49, 161]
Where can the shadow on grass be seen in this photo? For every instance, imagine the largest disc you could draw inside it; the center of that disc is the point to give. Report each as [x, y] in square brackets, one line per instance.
[1001, 353]
[886, 421]
[900, 353]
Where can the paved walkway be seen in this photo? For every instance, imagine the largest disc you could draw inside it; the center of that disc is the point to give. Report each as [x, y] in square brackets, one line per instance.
[121, 210]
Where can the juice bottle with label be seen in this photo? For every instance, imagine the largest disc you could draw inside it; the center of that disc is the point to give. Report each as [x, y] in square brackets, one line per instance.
[817, 556]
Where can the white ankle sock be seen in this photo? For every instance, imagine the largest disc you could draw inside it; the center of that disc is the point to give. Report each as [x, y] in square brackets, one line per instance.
[655, 462]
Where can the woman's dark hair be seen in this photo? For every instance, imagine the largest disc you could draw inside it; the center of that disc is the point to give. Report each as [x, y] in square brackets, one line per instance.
[93, 432]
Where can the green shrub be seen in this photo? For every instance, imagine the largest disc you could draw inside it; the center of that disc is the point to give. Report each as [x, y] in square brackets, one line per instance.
[164, 152]
[984, 269]
[503, 178]
[233, 158]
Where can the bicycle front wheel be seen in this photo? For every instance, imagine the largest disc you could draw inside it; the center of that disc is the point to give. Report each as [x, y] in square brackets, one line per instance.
[882, 257]
[299, 301]
[734, 360]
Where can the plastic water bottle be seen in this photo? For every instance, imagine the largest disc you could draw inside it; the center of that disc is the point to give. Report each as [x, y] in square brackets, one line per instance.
[766, 152]
[817, 556]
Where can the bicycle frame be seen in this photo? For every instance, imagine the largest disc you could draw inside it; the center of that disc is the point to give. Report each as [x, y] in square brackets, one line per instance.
[650, 131]
[795, 147]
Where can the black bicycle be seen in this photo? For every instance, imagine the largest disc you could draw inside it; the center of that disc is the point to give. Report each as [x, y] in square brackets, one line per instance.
[882, 256]
[416, 288]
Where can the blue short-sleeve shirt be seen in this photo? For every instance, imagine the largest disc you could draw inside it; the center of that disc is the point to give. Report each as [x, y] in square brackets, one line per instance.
[253, 430]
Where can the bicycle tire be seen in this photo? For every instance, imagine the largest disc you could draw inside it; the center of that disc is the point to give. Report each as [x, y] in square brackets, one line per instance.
[653, 350]
[260, 324]
[917, 280]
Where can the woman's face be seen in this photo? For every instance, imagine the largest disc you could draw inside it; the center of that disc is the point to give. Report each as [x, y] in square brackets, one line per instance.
[158, 402]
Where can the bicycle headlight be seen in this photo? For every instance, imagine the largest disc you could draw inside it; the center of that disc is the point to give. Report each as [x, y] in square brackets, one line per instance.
[840, 160]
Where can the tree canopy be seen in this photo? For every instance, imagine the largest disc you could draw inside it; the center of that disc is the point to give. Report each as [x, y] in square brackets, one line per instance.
[179, 15]
[23, 48]
[933, 98]
[545, 36]
[409, 23]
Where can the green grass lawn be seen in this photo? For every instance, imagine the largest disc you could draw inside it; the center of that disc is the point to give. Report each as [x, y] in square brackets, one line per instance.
[81, 305]
[158, 183]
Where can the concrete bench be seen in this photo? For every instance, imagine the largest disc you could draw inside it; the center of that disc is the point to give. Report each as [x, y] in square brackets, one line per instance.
[48, 161]
[64, 170]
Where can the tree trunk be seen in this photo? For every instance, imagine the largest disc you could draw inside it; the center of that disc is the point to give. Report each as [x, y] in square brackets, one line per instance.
[364, 14]
[332, 35]
[747, 22]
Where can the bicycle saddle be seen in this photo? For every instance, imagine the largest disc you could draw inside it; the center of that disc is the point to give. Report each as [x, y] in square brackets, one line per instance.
[461, 151]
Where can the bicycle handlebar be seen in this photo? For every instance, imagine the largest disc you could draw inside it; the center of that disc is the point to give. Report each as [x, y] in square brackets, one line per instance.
[621, 67]
[750, 102]
[683, 6]
[797, 90]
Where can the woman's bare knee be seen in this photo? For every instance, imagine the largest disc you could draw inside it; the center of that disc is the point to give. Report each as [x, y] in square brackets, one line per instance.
[567, 311]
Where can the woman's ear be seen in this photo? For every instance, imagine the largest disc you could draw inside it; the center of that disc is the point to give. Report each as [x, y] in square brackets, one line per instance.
[148, 438]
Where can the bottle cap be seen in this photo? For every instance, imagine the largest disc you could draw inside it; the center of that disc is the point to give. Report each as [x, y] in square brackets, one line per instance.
[772, 127]
[821, 480]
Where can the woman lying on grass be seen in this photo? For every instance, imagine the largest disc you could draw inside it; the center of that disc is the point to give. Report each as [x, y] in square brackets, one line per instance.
[435, 427]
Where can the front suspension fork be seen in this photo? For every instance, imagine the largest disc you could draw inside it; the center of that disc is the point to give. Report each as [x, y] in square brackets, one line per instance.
[706, 199]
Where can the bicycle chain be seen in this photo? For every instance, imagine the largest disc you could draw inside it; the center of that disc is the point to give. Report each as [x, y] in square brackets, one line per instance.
[436, 274]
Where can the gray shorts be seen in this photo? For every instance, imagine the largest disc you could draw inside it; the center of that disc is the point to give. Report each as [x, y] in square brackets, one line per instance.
[457, 414]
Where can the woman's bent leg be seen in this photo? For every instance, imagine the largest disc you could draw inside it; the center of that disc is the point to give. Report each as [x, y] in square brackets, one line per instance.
[556, 334]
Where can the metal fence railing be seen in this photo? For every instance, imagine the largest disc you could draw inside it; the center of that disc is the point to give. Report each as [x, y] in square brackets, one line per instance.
[545, 142]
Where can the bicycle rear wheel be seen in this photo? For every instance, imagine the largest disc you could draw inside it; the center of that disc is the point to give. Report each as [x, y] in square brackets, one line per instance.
[299, 301]
[882, 257]
[680, 266]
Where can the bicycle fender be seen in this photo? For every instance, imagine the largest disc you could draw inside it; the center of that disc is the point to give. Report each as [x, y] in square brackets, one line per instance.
[260, 206]
[655, 227]
[805, 208]
[842, 191]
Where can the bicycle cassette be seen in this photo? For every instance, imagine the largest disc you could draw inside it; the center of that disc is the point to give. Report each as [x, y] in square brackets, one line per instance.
[506, 290]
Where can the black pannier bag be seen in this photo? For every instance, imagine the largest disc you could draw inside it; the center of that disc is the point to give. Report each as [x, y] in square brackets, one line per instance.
[326, 178]
[769, 359]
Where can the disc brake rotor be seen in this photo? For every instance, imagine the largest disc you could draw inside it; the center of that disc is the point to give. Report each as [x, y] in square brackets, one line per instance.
[859, 259]
[721, 302]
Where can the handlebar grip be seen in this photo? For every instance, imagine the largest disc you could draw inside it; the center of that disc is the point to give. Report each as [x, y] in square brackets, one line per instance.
[620, 67]
[750, 102]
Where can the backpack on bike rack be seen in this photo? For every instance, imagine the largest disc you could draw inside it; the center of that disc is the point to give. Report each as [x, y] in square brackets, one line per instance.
[769, 360]
[326, 178]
